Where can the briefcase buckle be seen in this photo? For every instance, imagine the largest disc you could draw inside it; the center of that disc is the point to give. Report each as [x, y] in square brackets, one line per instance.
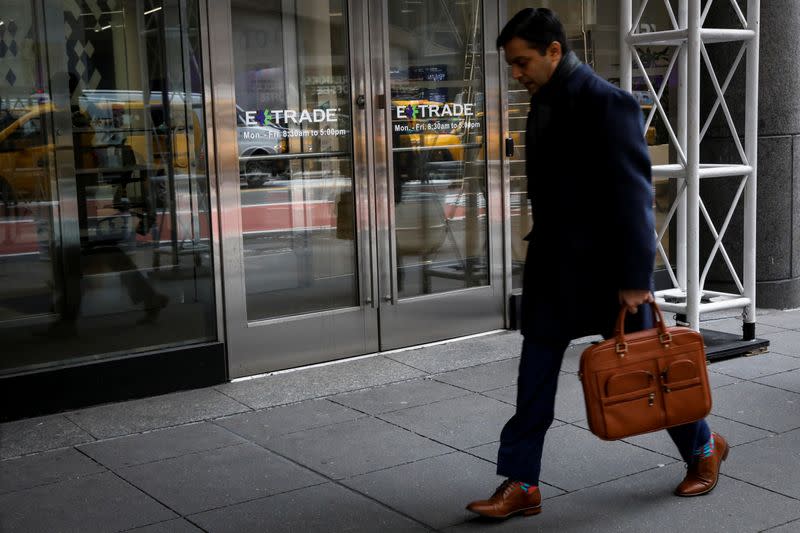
[665, 338]
[622, 348]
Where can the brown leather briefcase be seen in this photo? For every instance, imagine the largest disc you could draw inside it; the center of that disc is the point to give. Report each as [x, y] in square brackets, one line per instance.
[645, 381]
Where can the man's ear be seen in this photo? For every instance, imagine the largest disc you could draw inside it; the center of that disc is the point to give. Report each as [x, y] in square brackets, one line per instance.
[554, 51]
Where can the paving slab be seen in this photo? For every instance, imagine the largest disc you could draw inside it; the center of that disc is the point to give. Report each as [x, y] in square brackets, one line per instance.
[483, 377]
[325, 508]
[306, 384]
[356, 447]
[789, 527]
[160, 444]
[39, 434]
[101, 502]
[572, 357]
[433, 491]
[773, 463]
[505, 394]
[717, 380]
[782, 319]
[784, 342]
[462, 422]
[136, 416]
[759, 406]
[388, 398]
[463, 353]
[569, 398]
[179, 525]
[644, 502]
[786, 380]
[509, 395]
[43, 468]
[573, 459]
[487, 452]
[260, 426]
[218, 478]
[734, 432]
[570, 406]
[757, 366]
[658, 442]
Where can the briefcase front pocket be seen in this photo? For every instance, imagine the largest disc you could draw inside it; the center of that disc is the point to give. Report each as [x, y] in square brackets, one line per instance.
[686, 399]
[628, 382]
[631, 403]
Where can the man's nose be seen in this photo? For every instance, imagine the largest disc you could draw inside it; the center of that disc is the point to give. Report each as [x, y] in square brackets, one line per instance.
[516, 72]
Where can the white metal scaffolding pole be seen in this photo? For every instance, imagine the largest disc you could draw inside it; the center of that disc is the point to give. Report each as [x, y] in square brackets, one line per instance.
[693, 292]
[625, 59]
[683, 98]
[751, 147]
[688, 297]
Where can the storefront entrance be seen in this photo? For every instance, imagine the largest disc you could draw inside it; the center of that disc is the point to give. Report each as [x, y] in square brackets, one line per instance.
[355, 182]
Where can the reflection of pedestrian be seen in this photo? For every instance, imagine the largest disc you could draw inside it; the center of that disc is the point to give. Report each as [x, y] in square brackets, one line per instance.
[591, 249]
[99, 250]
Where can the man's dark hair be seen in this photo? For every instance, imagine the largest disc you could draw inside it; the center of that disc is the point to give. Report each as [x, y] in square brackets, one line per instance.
[539, 27]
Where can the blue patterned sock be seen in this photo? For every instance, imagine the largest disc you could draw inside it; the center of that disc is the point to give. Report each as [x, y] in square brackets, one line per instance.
[527, 487]
[706, 450]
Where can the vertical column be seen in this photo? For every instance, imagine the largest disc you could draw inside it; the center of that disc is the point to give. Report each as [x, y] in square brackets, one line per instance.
[625, 58]
[683, 66]
[66, 236]
[693, 289]
[751, 150]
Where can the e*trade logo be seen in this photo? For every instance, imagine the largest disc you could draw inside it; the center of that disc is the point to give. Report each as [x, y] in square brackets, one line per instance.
[263, 117]
[290, 116]
[414, 111]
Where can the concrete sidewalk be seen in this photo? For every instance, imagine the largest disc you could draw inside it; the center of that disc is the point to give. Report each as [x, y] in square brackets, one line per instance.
[398, 442]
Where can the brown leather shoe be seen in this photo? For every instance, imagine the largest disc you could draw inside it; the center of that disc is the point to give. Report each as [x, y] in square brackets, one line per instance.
[703, 474]
[509, 499]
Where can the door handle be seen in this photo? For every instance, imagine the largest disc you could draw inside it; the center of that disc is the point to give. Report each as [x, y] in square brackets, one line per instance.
[361, 101]
[509, 147]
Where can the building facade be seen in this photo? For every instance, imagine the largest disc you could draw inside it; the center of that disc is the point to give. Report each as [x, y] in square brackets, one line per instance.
[193, 191]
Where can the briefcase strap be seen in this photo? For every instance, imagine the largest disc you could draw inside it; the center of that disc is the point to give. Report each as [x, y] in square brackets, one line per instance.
[621, 346]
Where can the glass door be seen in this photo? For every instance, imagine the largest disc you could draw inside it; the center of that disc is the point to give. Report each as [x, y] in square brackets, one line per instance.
[295, 242]
[104, 199]
[437, 169]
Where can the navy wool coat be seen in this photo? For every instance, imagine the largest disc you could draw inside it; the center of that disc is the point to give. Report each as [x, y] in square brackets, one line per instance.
[589, 181]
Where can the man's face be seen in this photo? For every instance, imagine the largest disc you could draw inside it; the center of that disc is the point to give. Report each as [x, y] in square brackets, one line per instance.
[528, 66]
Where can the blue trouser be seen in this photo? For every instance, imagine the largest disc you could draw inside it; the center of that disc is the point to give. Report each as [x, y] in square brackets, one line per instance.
[522, 438]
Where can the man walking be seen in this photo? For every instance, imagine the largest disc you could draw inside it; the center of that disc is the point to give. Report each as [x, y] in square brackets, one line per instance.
[592, 247]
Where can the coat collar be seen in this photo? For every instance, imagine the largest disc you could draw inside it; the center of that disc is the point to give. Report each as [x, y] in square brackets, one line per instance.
[568, 69]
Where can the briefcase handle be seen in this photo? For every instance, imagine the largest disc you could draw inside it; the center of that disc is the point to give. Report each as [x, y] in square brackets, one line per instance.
[619, 331]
